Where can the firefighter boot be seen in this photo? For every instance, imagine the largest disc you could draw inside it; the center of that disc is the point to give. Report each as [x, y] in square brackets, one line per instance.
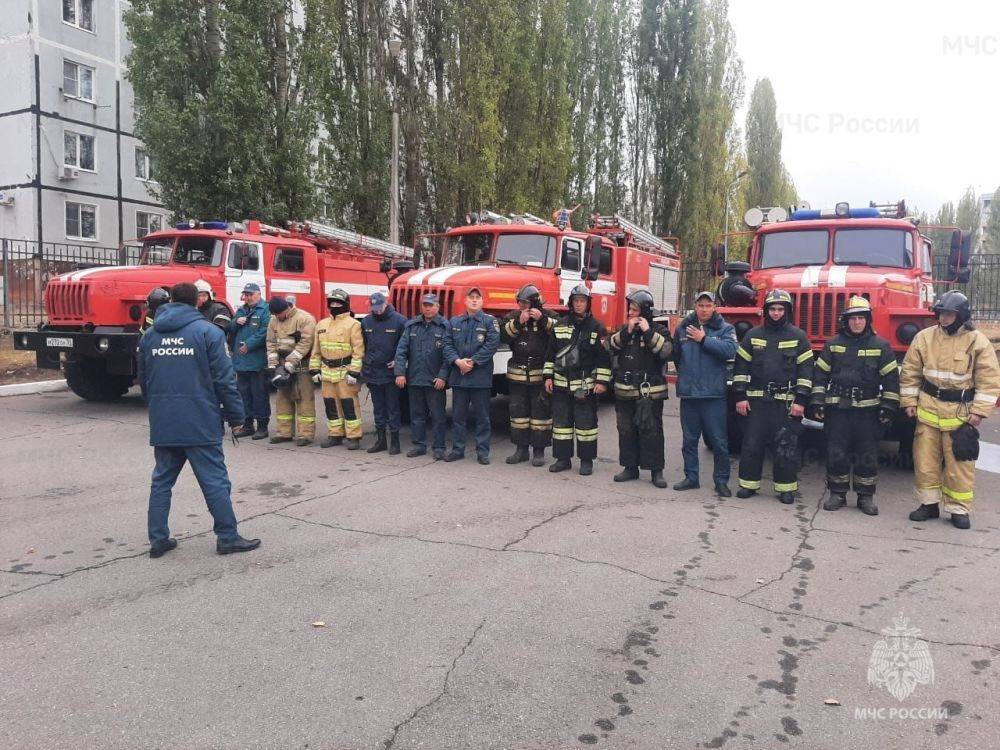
[538, 457]
[627, 474]
[302, 442]
[261, 430]
[786, 498]
[561, 465]
[836, 501]
[926, 512]
[960, 521]
[519, 455]
[586, 467]
[352, 444]
[281, 438]
[331, 441]
[380, 444]
[393, 442]
[867, 505]
[657, 479]
[743, 493]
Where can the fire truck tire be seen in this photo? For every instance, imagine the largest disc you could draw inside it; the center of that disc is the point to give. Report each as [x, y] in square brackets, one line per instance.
[90, 380]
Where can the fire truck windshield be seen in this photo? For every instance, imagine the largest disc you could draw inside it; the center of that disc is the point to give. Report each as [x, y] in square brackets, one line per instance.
[527, 249]
[794, 248]
[190, 251]
[156, 252]
[873, 247]
[468, 249]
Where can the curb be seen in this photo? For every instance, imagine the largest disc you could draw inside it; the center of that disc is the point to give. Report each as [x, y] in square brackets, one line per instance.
[41, 386]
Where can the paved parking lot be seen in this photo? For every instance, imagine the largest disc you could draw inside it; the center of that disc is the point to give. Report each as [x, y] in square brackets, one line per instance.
[473, 607]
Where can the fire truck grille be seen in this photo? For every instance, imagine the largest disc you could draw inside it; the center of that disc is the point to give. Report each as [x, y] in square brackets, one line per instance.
[818, 313]
[67, 301]
[406, 299]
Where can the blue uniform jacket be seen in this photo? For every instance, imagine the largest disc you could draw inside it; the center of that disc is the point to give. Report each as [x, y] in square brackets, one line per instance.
[252, 333]
[185, 374]
[476, 336]
[382, 334]
[420, 353]
[703, 368]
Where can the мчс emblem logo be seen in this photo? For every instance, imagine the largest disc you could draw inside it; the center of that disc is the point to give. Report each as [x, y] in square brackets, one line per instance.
[900, 661]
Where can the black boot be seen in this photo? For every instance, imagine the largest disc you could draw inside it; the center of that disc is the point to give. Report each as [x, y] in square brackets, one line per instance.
[332, 441]
[586, 467]
[520, 455]
[958, 520]
[867, 505]
[657, 478]
[352, 444]
[281, 439]
[239, 544]
[743, 493]
[261, 430]
[159, 550]
[393, 442]
[627, 474]
[787, 498]
[926, 512]
[836, 501]
[561, 465]
[380, 444]
[686, 484]
[538, 457]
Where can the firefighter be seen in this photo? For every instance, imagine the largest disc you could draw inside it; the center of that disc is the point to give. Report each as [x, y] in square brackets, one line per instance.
[526, 331]
[855, 390]
[290, 334]
[577, 371]
[950, 382]
[157, 297]
[336, 363]
[772, 381]
[214, 312]
[643, 348]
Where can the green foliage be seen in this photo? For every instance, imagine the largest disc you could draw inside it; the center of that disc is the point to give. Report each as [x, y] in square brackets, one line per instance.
[968, 215]
[991, 242]
[768, 183]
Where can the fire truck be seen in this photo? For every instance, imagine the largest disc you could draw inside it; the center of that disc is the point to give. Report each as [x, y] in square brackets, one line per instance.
[93, 315]
[499, 254]
[822, 257]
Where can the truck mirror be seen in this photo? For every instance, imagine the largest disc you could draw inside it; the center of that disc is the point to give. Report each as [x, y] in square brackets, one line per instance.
[718, 259]
[384, 265]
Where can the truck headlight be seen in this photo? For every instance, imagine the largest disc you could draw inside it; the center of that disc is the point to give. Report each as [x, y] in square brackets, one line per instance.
[102, 344]
[906, 333]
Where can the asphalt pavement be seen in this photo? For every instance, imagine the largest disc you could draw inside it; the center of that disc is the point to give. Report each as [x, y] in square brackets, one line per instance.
[402, 603]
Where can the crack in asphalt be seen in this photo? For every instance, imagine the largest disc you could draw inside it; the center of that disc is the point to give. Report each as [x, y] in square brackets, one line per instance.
[553, 517]
[444, 689]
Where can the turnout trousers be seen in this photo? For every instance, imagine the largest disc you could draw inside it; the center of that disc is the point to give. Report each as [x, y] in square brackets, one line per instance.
[574, 418]
[851, 442]
[343, 409]
[634, 448]
[760, 428]
[954, 482]
[530, 414]
[209, 466]
[296, 405]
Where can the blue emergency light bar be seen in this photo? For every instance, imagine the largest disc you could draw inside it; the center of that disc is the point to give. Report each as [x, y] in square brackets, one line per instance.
[832, 213]
[192, 224]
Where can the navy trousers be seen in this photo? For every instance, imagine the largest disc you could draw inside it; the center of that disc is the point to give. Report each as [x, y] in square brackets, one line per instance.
[474, 401]
[427, 402]
[209, 466]
[385, 402]
[254, 392]
[706, 415]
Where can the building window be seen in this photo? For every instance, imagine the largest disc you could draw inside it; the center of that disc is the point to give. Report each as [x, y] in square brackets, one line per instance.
[143, 165]
[146, 222]
[78, 151]
[81, 221]
[79, 13]
[78, 81]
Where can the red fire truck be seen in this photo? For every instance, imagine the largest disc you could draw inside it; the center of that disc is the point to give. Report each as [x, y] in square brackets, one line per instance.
[94, 314]
[823, 257]
[500, 254]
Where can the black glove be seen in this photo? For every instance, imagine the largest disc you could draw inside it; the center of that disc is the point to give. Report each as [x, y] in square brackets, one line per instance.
[815, 412]
[885, 416]
[965, 443]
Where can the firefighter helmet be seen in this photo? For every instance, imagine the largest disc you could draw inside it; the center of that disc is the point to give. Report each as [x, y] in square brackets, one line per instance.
[856, 306]
[642, 299]
[580, 290]
[529, 293]
[204, 287]
[158, 296]
[338, 298]
[955, 302]
[780, 297]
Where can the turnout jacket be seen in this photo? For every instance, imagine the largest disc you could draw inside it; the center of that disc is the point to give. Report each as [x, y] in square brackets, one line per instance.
[420, 353]
[381, 336]
[339, 348]
[217, 313]
[290, 340]
[642, 359]
[529, 343]
[774, 363]
[856, 372]
[589, 366]
[476, 337]
[964, 360]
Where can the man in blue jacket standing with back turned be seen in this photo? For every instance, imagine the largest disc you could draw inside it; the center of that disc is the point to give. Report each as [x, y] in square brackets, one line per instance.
[185, 374]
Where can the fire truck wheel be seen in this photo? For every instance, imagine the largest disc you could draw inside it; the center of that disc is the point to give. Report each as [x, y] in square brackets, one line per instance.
[90, 380]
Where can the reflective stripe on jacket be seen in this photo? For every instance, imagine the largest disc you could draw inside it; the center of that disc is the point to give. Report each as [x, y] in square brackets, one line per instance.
[339, 348]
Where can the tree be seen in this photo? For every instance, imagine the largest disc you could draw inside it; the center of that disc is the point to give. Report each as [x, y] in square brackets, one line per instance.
[224, 92]
[768, 183]
[969, 217]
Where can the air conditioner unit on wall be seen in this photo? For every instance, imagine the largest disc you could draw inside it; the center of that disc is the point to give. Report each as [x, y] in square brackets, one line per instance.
[69, 173]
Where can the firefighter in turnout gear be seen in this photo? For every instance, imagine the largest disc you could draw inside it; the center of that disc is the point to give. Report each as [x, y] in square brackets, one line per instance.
[527, 331]
[214, 312]
[772, 381]
[950, 382]
[577, 371]
[290, 333]
[643, 348]
[157, 297]
[336, 362]
[855, 389]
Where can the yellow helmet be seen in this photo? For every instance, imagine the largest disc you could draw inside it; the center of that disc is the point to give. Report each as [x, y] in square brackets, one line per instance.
[780, 297]
[856, 306]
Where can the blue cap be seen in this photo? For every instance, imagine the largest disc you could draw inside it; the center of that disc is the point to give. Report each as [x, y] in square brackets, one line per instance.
[251, 287]
[377, 299]
[429, 299]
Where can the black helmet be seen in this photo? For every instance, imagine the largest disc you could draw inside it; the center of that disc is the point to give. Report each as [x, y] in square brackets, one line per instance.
[642, 299]
[158, 296]
[957, 303]
[580, 290]
[338, 298]
[529, 293]
[856, 306]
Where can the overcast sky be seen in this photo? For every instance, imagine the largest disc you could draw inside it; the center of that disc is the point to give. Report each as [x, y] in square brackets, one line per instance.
[879, 100]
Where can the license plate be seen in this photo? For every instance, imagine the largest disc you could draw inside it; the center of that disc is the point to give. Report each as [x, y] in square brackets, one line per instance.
[59, 343]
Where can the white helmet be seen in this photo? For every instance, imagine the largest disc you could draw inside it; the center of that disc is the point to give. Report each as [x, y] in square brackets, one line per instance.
[203, 286]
